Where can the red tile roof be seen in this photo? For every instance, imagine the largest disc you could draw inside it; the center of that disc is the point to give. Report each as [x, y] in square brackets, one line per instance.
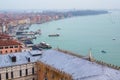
[4, 36]
[9, 42]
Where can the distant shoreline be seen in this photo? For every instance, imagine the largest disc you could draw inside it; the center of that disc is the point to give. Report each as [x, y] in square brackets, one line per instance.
[48, 16]
[77, 14]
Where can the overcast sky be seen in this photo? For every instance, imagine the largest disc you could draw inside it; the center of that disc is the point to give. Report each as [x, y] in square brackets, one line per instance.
[60, 4]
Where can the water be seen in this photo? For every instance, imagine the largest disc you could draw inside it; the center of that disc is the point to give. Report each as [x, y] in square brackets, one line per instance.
[79, 34]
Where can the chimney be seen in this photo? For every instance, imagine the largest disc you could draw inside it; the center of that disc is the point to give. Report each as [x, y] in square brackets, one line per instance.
[13, 58]
[28, 59]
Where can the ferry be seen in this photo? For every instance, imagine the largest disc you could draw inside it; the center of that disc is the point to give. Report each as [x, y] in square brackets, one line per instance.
[44, 45]
[54, 35]
[28, 33]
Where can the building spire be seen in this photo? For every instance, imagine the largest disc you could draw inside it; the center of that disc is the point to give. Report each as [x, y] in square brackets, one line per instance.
[90, 55]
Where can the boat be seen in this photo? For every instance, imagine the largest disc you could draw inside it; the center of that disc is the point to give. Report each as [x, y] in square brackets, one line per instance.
[113, 39]
[54, 35]
[103, 51]
[58, 28]
[38, 32]
[28, 33]
[44, 45]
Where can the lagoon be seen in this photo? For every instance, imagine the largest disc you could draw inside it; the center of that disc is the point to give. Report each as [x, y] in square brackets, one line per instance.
[79, 34]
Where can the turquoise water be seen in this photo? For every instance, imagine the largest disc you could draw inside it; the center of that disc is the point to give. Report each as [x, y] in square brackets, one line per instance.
[79, 34]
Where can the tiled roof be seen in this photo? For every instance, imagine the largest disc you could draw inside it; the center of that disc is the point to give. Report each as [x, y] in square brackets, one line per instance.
[4, 36]
[9, 42]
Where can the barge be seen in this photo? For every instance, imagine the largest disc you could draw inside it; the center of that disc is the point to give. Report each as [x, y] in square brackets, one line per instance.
[54, 35]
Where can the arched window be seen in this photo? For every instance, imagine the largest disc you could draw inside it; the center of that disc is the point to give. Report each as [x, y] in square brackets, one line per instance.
[11, 51]
[6, 51]
[52, 76]
[46, 78]
[15, 50]
[0, 52]
[33, 70]
[1, 47]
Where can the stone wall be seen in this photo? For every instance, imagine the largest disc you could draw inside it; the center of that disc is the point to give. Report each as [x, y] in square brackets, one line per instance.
[46, 72]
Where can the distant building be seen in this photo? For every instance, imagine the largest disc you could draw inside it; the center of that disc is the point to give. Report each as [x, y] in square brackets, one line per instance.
[0, 27]
[52, 65]
[9, 46]
[3, 28]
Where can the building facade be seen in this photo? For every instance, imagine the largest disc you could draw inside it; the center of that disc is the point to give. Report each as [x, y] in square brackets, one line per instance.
[19, 66]
[9, 46]
[19, 72]
[46, 72]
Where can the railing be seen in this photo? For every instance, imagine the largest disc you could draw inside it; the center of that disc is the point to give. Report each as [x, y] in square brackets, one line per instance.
[93, 60]
[69, 52]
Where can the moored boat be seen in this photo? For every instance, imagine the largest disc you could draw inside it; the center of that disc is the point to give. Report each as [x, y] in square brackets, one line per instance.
[103, 51]
[44, 45]
[54, 35]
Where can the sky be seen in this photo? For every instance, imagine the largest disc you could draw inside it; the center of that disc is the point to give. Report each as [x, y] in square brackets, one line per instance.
[59, 4]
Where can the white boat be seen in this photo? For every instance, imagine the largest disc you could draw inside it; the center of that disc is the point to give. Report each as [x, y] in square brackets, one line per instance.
[44, 45]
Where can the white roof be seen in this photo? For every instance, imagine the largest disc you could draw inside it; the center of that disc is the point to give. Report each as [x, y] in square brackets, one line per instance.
[21, 58]
[80, 69]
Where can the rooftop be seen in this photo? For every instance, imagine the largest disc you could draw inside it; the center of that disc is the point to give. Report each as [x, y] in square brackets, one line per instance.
[4, 36]
[9, 42]
[79, 68]
[21, 58]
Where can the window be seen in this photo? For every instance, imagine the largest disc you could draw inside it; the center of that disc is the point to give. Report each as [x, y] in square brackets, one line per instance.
[26, 72]
[16, 46]
[11, 51]
[15, 50]
[0, 76]
[11, 74]
[46, 78]
[32, 70]
[53, 76]
[11, 46]
[1, 47]
[6, 47]
[6, 51]
[62, 79]
[46, 72]
[1, 52]
[6, 75]
[20, 72]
